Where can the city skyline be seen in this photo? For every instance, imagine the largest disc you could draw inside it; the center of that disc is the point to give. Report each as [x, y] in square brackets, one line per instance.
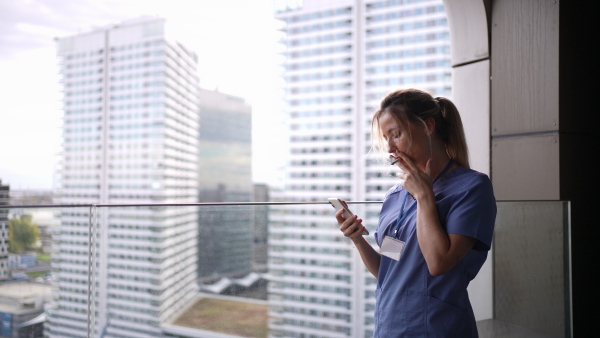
[233, 61]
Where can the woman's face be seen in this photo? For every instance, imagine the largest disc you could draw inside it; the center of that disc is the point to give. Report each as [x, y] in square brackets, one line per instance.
[410, 139]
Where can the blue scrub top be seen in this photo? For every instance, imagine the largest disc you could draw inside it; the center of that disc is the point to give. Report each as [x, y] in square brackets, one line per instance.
[410, 301]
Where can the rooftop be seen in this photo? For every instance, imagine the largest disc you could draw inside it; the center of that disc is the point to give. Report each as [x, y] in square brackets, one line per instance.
[24, 290]
[17, 297]
[228, 315]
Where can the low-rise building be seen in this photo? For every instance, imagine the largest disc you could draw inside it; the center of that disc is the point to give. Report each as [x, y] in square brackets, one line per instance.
[4, 200]
[22, 308]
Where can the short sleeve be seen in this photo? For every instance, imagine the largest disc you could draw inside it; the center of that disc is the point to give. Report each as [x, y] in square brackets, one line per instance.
[473, 212]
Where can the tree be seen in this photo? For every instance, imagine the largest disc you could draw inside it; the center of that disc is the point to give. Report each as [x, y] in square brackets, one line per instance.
[23, 234]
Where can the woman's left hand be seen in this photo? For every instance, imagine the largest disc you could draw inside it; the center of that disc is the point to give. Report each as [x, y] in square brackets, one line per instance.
[416, 182]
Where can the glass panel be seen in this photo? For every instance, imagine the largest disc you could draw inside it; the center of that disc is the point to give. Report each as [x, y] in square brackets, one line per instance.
[150, 263]
[146, 267]
[531, 268]
[39, 258]
[274, 269]
[318, 284]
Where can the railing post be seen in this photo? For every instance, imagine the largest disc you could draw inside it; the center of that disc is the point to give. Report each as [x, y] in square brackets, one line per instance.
[92, 270]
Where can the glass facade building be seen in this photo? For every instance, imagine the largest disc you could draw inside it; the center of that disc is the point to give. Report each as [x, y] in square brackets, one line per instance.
[224, 175]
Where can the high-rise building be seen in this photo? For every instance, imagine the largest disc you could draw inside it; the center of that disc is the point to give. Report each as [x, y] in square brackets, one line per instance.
[224, 175]
[4, 200]
[225, 156]
[130, 136]
[341, 58]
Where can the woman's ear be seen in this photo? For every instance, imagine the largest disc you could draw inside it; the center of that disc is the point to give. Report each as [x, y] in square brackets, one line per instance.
[430, 126]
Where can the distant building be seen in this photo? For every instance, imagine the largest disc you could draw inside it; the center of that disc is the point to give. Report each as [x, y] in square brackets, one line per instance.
[224, 175]
[225, 149]
[21, 260]
[4, 239]
[31, 197]
[22, 308]
[130, 136]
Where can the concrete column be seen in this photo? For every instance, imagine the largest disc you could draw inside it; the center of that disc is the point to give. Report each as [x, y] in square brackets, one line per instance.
[471, 94]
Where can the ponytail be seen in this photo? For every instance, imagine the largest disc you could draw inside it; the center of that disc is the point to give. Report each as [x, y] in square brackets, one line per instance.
[456, 143]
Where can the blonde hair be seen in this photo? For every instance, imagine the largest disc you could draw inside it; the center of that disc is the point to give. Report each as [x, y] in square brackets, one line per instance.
[415, 106]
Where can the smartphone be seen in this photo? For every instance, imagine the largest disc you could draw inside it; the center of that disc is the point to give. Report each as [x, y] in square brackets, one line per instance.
[338, 204]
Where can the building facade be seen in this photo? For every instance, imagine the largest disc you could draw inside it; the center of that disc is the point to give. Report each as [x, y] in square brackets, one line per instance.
[341, 58]
[4, 239]
[224, 175]
[130, 136]
[225, 155]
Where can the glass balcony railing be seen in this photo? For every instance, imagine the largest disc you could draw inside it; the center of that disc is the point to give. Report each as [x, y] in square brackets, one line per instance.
[235, 269]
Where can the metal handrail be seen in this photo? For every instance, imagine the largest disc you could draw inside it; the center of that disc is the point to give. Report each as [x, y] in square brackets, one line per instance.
[171, 204]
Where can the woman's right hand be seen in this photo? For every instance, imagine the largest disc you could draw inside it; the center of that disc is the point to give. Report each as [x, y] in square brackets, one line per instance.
[351, 227]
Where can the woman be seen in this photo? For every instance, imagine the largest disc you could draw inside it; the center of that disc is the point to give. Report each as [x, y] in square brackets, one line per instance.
[435, 228]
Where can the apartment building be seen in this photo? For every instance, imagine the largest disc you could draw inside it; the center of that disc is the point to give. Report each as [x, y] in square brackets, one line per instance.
[130, 136]
[4, 228]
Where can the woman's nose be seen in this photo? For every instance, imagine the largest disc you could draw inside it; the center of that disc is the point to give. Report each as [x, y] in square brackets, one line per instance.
[391, 148]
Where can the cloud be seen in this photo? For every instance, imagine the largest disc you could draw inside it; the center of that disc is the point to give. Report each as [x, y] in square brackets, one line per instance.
[232, 38]
[26, 25]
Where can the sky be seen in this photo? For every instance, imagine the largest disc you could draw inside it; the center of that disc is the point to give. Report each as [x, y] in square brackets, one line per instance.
[235, 41]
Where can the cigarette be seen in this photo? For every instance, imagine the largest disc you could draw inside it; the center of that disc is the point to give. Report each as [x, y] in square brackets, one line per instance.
[395, 161]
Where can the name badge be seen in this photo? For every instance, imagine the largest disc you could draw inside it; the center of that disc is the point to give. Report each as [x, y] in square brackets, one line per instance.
[392, 248]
